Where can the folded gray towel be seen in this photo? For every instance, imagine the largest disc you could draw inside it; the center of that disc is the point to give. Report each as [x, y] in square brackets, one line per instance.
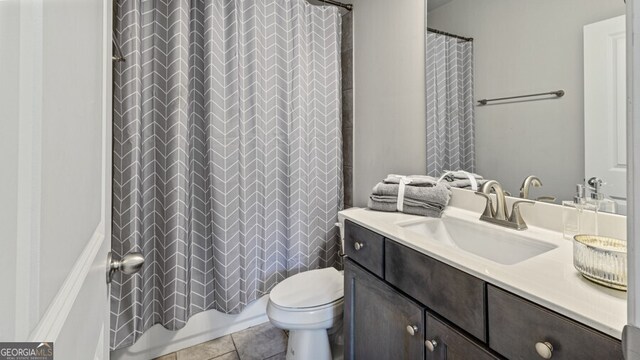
[456, 179]
[418, 200]
[407, 209]
[460, 174]
[463, 184]
[410, 202]
[415, 180]
[437, 195]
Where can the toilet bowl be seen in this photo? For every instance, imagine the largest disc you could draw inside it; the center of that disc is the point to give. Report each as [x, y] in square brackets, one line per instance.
[308, 304]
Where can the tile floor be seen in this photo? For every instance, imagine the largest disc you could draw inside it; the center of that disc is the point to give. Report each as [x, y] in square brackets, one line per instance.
[262, 342]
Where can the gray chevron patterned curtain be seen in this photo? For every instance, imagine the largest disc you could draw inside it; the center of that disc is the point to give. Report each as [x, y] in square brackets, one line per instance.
[450, 120]
[227, 154]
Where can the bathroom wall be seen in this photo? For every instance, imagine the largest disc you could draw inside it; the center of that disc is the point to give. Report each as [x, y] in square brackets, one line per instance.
[388, 92]
[347, 107]
[537, 46]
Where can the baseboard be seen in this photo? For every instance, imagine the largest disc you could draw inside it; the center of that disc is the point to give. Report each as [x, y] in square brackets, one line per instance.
[205, 326]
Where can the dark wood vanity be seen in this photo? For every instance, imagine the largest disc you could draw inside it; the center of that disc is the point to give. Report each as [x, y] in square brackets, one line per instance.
[402, 304]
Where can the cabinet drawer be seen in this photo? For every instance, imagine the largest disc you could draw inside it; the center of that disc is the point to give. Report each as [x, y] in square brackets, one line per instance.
[364, 247]
[451, 293]
[516, 325]
[448, 343]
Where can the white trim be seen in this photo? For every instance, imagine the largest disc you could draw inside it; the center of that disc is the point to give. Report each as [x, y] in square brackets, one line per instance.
[631, 333]
[55, 317]
[102, 352]
[633, 161]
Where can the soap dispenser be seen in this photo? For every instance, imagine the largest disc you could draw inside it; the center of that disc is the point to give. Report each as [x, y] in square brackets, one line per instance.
[574, 218]
[598, 199]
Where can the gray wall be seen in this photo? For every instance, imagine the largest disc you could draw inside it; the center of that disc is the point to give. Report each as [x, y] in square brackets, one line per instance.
[527, 47]
[388, 92]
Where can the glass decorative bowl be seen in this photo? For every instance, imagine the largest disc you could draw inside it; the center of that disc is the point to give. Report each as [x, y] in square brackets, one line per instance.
[601, 259]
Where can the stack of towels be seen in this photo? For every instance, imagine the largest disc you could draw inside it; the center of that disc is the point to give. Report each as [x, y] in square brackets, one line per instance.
[462, 179]
[419, 194]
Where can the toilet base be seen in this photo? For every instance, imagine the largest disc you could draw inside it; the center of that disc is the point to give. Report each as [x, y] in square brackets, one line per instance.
[308, 344]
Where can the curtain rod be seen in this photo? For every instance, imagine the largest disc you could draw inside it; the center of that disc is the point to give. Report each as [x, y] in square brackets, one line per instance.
[331, 2]
[436, 31]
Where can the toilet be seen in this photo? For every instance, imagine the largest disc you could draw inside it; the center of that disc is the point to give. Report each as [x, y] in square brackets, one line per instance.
[308, 304]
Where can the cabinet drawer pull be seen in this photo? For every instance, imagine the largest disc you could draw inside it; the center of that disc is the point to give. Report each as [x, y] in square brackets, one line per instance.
[431, 345]
[544, 349]
[412, 329]
[358, 246]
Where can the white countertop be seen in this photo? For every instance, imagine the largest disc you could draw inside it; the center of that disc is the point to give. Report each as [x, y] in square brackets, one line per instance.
[548, 279]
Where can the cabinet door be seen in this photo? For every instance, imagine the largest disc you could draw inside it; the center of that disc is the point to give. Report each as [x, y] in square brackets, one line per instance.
[445, 342]
[380, 323]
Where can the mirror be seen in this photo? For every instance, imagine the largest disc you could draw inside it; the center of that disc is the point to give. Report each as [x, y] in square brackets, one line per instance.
[568, 54]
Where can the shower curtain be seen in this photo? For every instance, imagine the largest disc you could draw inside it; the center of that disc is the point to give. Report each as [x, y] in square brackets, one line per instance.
[450, 122]
[227, 154]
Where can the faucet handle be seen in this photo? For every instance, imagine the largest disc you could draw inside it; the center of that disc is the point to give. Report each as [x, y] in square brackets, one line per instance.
[488, 209]
[516, 216]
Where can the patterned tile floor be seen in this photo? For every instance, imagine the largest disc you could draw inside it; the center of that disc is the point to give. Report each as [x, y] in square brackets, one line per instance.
[262, 342]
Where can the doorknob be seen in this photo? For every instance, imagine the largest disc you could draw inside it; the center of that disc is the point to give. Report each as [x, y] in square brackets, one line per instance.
[129, 264]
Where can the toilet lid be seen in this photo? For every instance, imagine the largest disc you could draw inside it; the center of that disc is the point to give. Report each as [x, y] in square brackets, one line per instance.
[309, 289]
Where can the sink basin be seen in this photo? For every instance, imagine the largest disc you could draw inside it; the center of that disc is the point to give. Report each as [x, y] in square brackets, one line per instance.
[502, 246]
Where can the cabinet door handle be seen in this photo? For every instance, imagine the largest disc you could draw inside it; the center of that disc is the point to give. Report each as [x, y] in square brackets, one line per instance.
[412, 329]
[358, 246]
[544, 349]
[431, 345]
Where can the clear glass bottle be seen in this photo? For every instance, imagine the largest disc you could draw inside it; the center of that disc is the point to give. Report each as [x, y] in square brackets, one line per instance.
[570, 219]
[579, 216]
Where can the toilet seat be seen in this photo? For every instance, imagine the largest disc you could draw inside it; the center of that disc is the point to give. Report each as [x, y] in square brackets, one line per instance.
[314, 289]
[337, 302]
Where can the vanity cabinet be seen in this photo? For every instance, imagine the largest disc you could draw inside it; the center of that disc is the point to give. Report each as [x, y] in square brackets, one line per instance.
[403, 304]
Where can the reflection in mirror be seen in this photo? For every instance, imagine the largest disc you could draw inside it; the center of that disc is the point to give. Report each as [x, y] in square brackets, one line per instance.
[484, 60]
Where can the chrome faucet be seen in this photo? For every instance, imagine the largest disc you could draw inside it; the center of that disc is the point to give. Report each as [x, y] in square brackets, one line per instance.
[499, 214]
[531, 180]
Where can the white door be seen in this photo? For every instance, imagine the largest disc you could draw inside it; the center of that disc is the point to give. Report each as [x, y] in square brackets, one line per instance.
[605, 114]
[55, 130]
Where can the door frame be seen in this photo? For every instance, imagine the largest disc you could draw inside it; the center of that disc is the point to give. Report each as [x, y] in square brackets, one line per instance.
[631, 334]
[52, 322]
